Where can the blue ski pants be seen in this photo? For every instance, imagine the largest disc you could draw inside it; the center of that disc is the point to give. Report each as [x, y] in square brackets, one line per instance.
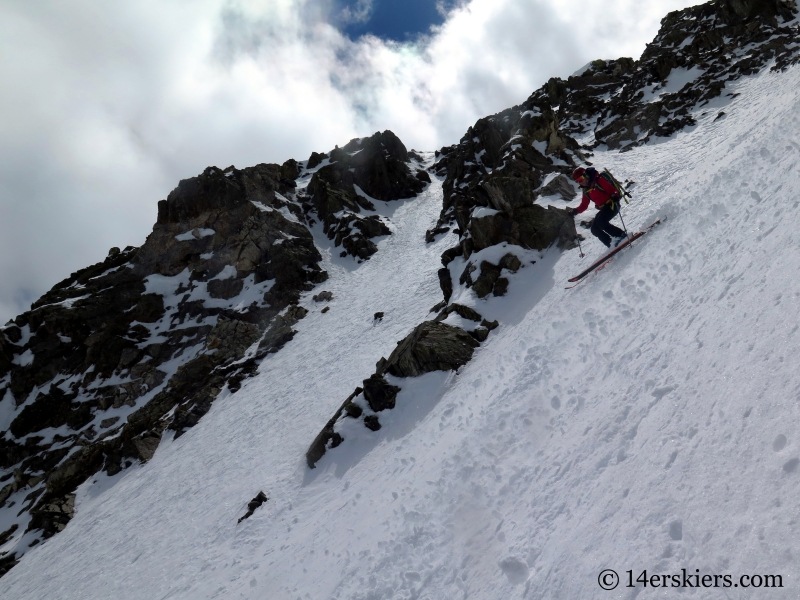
[602, 229]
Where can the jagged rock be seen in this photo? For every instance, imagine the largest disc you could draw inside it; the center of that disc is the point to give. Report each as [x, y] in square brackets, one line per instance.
[146, 445]
[489, 279]
[379, 394]
[432, 346]
[437, 307]
[372, 423]
[9, 489]
[446, 283]
[231, 337]
[53, 516]
[225, 288]
[326, 309]
[359, 247]
[323, 297]
[315, 159]
[7, 563]
[353, 410]
[532, 227]
[106, 423]
[450, 254]
[52, 409]
[4, 536]
[328, 437]
[290, 170]
[465, 312]
[430, 235]
[511, 262]
[562, 186]
[280, 331]
[466, 275]
[507, 193]
[480, 334]
[500, 287]
[378, 166]
[484, 284]
[378, 316]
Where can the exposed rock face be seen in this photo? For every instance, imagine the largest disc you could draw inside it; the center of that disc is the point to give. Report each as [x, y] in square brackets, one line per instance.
[625, 103]
[489, 278]
[143, 342]
[340, 193]
[562, 186]
[432, 346]
[532, 226]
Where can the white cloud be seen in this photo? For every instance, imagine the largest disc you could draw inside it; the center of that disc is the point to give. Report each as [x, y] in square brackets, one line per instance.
[106, 106]
[360, 13]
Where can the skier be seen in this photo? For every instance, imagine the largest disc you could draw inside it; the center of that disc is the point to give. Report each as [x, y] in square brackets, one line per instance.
[600, 190]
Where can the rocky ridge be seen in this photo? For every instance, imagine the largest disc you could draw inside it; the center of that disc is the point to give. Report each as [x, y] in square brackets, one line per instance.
[617, 104]
[340, 189]
[507, 166]
[125, 351]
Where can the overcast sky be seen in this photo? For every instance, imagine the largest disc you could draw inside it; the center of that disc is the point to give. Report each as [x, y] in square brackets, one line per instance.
[105, 106]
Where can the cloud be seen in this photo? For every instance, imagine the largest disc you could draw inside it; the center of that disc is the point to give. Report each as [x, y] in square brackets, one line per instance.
[360, 13]
[105, 107]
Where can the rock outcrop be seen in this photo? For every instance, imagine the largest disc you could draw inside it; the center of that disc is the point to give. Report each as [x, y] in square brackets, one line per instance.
[341, 194]
[121, 352]
[432, 346]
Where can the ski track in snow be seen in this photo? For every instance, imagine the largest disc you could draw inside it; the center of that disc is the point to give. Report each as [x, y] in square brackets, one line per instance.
[644, 420]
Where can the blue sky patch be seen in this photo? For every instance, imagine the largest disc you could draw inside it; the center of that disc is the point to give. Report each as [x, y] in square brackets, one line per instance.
[398, 20]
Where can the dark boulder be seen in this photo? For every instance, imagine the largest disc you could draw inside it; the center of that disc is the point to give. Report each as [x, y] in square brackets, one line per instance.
[315, 159]
[446, 283]
[379, 393]
[560, 185]
[328, 437]
[533, 227]
[432, 346]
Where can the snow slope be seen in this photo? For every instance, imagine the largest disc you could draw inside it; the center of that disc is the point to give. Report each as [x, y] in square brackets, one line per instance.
[643, 420]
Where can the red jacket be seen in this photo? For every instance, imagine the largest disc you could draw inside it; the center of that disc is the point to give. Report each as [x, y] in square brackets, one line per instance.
[600, 190]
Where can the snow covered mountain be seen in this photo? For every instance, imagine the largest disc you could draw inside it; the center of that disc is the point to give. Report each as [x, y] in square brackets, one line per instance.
[519, 439]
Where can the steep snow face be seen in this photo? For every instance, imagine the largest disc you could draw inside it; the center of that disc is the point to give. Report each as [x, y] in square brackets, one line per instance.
[643, 420]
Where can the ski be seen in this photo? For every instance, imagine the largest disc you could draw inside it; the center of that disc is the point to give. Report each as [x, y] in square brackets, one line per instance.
[610, 254]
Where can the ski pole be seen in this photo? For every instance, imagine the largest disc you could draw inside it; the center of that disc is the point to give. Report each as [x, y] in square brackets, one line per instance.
[622, 220]
[579, 242]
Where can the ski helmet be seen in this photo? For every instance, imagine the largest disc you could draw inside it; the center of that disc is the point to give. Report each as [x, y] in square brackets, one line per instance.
[578, 174]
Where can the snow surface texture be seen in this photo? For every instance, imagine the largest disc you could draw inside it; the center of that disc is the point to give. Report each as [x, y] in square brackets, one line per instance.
[644, 420]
